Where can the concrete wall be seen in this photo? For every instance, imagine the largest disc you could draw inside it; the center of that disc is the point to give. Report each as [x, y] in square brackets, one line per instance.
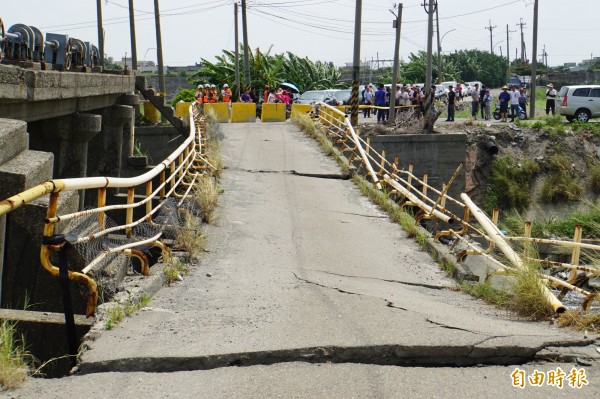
[30, 95]
[560, 79]
[157, 142]
[173, 85]
[437, 154]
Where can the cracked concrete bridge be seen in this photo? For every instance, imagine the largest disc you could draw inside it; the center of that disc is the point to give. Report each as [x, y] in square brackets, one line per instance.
[309, 290]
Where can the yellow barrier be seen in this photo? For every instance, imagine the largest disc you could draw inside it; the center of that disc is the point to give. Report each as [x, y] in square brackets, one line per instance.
[182, 109]
[243, 112]
[220, 111]
[273, 112]
[151, 113]
[301, 108]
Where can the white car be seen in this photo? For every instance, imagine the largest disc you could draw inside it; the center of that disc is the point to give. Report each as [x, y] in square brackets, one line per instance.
[580, 102]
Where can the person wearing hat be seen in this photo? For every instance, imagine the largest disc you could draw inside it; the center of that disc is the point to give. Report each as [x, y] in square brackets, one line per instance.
[451, 103]
[199, 96]
[550, 99]
[504, 99]
[206, 92]
[226, 93]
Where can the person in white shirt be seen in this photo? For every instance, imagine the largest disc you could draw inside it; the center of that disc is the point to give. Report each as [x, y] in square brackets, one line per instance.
[550, 99]
[475, 101]
[369, 98]
[514, 103]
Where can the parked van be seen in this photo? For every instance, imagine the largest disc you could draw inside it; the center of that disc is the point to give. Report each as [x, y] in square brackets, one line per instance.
[580, 102]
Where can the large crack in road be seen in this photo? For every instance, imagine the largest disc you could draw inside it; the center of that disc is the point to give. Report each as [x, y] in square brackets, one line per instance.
[482, 352]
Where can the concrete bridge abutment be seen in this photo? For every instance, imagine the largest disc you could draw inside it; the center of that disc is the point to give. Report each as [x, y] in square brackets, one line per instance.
[67, 137]
[106, 149]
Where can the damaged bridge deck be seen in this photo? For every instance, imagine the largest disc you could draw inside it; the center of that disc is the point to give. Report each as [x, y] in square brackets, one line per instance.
[316, 293]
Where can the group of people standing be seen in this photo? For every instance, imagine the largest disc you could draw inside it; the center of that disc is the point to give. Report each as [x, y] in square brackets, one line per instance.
[279, 96]
[482, 99]
[208, 94]
[517, 101]
[404, 96]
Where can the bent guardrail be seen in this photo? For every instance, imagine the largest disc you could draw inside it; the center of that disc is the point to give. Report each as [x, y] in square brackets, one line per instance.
[410, 190]
[95, 235]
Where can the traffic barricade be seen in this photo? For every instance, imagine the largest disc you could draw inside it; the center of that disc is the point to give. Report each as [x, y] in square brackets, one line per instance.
[273, 112]
[243, 112]
[220, 111]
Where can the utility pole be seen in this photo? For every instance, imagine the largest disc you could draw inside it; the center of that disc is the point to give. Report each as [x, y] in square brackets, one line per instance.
[544, 56]
[237, 91]
[439, 43]
[491, 28]
[159, 54]
[100, 31]
[356, 65]
[397, 24]
[508, 51]
[522, 25]
[534, 61]
[134, 62]
[245, 34]
[428, 93]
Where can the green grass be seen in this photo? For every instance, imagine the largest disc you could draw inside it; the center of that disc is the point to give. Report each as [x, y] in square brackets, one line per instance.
[486, 292]
[206, 197]
[594, 178]
[114, 315]
[509, 182]
[448, 266]
[527, 298]
[560, 184]
[421, 239]
[173, 270]
[15, 362]
[117, 312]
[132, 305]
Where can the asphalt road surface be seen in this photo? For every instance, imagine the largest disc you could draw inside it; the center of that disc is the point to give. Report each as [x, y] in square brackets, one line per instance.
[308, 290]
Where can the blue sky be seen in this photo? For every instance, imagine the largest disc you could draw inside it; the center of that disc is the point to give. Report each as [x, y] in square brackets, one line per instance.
[319, 29]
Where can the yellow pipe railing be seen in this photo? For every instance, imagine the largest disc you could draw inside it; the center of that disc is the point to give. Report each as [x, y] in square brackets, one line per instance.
[419, 196]
[179, 164]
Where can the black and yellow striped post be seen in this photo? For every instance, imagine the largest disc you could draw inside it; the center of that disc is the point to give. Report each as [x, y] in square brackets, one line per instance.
[354, 104]
[427, 103]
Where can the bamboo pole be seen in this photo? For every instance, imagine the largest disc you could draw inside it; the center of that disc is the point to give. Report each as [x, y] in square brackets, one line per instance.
[500, 241]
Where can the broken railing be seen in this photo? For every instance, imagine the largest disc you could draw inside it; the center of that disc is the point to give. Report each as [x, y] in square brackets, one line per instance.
[430, 202]
[160, 195]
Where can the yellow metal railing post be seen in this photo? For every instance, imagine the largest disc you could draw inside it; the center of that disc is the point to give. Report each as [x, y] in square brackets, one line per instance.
[129, 211]
[172, 175]
[575, 254]
[163, 191]
[149, 203]
[101, 203]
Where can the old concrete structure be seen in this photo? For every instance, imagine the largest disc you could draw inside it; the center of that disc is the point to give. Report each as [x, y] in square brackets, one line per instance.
[436, 154]
[79, 124]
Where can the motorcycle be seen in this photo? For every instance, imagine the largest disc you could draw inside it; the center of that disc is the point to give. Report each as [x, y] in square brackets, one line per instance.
[522, 115]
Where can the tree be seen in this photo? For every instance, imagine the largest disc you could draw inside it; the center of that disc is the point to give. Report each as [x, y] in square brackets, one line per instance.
[594, 65]
[414, 70]
[477, 65]
[271, 69]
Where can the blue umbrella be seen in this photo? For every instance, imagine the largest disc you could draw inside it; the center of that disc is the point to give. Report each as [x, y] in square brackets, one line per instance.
[291, 86]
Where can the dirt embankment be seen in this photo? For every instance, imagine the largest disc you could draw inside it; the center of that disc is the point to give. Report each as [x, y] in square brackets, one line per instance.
[538, 142]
